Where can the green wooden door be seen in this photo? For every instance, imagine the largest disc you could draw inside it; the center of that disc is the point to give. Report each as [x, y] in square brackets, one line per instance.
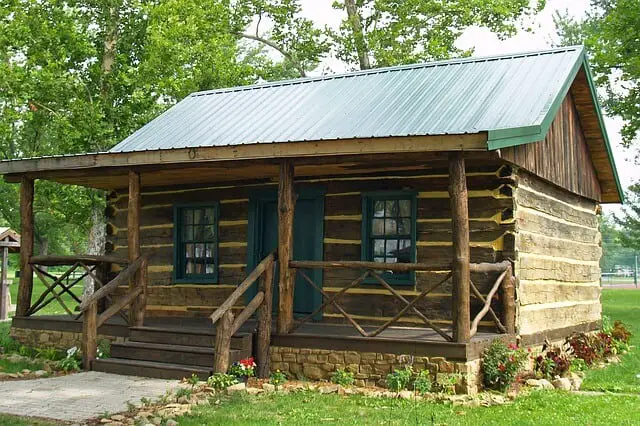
[308, 232]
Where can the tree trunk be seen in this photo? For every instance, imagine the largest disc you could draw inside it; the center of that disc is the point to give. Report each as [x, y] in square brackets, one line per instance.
[97, 241]
[355, 20]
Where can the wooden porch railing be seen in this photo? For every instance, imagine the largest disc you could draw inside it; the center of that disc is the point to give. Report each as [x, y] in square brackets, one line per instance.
[80, 267]
[228, 324]
[89, 307]
[371, 269]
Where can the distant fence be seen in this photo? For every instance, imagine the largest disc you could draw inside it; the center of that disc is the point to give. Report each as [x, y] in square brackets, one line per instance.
[619, 279]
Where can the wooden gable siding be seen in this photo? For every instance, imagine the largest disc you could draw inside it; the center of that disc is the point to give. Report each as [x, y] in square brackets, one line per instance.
[492, 239]
[563, 157]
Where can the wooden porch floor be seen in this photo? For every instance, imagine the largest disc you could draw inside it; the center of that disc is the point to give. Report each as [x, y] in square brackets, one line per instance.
[398, 340]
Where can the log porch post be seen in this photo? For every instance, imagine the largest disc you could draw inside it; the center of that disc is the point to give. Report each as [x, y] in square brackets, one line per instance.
[461, 278]
[26, 246]
[4, 285]
[136, 313]
[286, 208]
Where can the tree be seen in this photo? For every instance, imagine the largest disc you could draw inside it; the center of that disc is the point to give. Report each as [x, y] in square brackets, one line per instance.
[610, 32]
[378, 33]
[629, 222]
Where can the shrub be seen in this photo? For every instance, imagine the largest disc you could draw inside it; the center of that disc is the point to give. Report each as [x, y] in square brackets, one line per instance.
[620, 332]
[422, 383]
[584, 347]
[194, 380]
[221, 381]
[342, 377]
[446, 383]
[183, 392]
[243, 368]
[71, 362]
[501, 364]
[552, 362]
[399, 379]
[578, 364]
[603, 344]
[278, 378]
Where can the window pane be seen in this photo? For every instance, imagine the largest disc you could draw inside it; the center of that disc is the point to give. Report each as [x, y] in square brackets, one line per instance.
[378, 209]
[187, 217]
[209, 268]
[390, 260]
[208, 216]
[189, 267]
[405, 208]
[189, 251]
[199, 268]
[198, 234]
[390, 227]
[378, 247]
[187, 233]
[378, 259]
[209, 252]
[391, 208]
[404, 251]
[392, 248]
[199, 250]
[377, 227]
[404, 226]
[198, 216]
[208, 233]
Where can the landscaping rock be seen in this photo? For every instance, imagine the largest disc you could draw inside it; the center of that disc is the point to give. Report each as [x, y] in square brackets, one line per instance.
[546, 384]
[562, 383]
[329, 389]
[118, 417]
[534, 383]
[576, 381]
[268, 387]
[26, 371]
[405, 394]
[238, 387]
[172, 422]
[41, 373]
[254, 391]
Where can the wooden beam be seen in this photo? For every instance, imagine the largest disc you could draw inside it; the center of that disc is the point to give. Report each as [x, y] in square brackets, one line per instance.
[87, 259]
[263, 338]
[26, 248]
[223, 343]
[136, 313]
[89, 336]
[286, 209]
[461, 278]
[356, 264]
[4, 285]
[293, 150]
[509, 301]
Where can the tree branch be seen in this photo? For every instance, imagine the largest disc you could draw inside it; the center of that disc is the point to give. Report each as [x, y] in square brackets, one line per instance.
[273, 45]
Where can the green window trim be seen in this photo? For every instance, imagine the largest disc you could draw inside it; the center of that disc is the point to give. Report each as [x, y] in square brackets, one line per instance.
[369, 200]
[180, 276]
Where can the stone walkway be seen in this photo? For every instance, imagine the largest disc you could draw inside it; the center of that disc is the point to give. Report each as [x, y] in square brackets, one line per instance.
[78, 397]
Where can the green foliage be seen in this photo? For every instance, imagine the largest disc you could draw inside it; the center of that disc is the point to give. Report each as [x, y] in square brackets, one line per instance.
[630, 219]
[278, 378]
[378, 33]
[71, 362]
[399, 379]
[221, 381]
[342, 377]
[422, 383]
[554, 361]
[184, 392]
[446, 383]
[578, 364]
[104, 349]
[501, 364]
[194, 380]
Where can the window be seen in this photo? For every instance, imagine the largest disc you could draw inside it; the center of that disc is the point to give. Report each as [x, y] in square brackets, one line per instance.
[196, 243]
[389, 234]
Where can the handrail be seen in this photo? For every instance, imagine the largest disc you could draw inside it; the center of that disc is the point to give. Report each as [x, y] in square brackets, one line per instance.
[92, 321]
[242, 288]
[228, 324]
[87, 259]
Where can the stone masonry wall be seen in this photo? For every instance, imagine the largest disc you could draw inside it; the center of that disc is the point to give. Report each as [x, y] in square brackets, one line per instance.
[370, 368]
[61, 340]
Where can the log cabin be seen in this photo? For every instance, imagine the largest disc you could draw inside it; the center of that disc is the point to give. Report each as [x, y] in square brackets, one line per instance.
[359, 221]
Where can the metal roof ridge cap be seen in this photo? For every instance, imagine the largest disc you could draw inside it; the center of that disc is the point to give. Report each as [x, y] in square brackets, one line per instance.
[358, 73]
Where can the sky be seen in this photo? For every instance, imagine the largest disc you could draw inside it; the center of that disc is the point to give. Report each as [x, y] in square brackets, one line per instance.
[485, 43]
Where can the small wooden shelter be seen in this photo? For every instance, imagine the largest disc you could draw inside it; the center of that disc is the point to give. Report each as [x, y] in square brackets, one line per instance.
[416, 211]
[9, 243]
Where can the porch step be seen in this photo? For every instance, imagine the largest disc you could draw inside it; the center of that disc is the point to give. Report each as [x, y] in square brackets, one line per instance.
[170, 354]
[160, 370]
[188, 337]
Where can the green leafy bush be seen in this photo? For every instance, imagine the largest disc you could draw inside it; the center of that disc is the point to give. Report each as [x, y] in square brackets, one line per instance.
[221, 381]
[578, 364]
[399, 379]
[584, 347]
[422, 383]
[71, 362]
[278, 378]
[342, 377]
[554, 361]
[501, 364]
[194, 380]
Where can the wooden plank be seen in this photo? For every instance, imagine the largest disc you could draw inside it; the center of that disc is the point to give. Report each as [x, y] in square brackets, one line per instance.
[89, 336]
[286, 209]
[118, 305]
[26, 249]
[136, 313]
[395, 267]
[121, 279]
[247, 312]
[460, 264]
[4, 287]
[70, 260]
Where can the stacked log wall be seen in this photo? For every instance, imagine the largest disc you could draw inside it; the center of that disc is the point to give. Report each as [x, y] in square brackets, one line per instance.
[558, 247]
[491, 226]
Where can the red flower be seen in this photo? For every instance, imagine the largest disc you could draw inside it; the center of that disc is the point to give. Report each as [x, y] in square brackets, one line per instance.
[513, 346]
[502, 368]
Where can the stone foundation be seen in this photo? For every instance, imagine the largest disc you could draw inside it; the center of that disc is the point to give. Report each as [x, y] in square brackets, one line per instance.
[371, 368]
[54, 339]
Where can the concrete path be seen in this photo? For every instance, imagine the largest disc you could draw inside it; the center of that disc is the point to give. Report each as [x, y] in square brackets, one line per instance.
[78, 397]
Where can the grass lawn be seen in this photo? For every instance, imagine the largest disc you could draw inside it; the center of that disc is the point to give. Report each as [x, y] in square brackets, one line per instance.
[539, 408]
[6, 420]
[623, 305]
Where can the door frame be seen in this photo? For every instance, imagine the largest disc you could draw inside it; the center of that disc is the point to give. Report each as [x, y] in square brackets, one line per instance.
[257, 199]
